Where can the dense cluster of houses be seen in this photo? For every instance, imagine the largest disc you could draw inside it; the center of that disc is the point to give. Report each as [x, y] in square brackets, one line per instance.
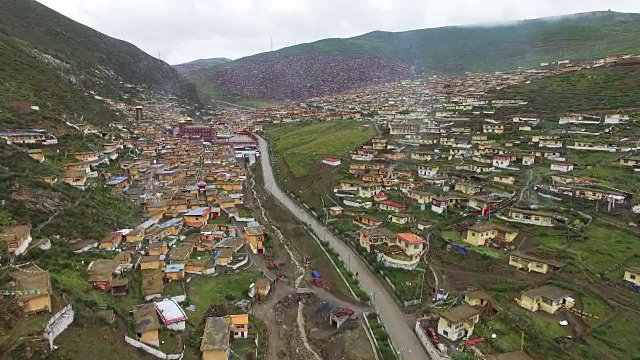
[190, 190]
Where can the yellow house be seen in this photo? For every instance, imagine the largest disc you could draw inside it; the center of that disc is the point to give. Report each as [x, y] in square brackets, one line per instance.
[226, 202]
[16, 239]
[420, 196]
[36, 154]
[632, 276]
[135, 235]
[528, 160]
[401, 219]
[215, 340]
[157, 248]
[232, 186]
[147, 324]
[547, 298]
[370, 237]
[428, 170]
[75, 178]
[632, 161]
[477, 298]
[458, 323]
[225, 255]
[480, 233]
[149, 262]
[50, 179]
[124, 257]
[87, 156]
[509, 180]
[467, 188]
[33, 289]
[239, 326]
[111, 241]
[530, 263]
[533, 217]
[493, 128]
[254, 235]
[422, 155]
[412, 244]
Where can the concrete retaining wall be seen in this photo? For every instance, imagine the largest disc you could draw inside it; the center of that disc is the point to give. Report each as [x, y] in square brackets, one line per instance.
[155, 352]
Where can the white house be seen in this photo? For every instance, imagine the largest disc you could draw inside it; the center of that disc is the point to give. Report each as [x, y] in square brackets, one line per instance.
[331, 161]
[171, 314]
[501, 161]
[563, 167]
[615, 118]
[528, 160]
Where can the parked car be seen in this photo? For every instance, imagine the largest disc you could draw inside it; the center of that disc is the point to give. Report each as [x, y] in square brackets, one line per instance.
[433, 335]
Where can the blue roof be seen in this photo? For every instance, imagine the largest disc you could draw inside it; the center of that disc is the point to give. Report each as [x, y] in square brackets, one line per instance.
[16, 133]
[147, 224]
[196, 212]
[117, 180]
[172, 222]
[171, 268]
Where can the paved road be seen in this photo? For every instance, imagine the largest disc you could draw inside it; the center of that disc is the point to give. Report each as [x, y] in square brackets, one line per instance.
[402, 336]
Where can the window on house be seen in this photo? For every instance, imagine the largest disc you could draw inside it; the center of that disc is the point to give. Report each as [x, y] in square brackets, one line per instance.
[632, 277]
[539, 265]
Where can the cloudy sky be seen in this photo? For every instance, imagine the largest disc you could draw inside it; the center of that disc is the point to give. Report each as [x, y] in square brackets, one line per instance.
[184, 30]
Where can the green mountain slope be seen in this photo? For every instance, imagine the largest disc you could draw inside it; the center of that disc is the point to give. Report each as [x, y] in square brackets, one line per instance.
[486, 48]
[604, 88]
[49, 60]
[200, 64]
[25, 79]
[446, 50]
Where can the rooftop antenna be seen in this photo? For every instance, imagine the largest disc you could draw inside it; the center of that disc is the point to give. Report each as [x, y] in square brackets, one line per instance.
[271, 44]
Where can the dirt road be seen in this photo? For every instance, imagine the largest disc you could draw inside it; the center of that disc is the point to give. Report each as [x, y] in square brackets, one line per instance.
[402, 336]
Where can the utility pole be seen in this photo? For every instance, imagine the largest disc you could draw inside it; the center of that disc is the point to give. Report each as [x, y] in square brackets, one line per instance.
[271, 44]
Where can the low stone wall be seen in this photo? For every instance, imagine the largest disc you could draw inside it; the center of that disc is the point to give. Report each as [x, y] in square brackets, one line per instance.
[58, 323]
[155, 352]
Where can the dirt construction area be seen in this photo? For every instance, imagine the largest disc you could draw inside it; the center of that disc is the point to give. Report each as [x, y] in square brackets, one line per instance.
[326, 341]
[298, 325]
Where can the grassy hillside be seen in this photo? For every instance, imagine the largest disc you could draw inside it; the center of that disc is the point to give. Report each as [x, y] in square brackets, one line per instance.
[200, 64]
[85, 48]
[611, 88]
[302, 145]
[487, 48]
[445, 50]
[67, 210]
[27, 80]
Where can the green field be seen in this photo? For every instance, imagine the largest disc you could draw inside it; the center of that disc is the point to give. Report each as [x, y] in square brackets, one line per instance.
[205, 291]
[611, 88]
[305, 144]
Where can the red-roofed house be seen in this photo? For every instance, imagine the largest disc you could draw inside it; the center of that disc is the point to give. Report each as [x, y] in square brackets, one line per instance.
[391, 206]
[332, 161]
[379, 197]
[412, 244]
[403, 251]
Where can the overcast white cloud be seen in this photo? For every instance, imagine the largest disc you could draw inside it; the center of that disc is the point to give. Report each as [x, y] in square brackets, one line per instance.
[185, 30]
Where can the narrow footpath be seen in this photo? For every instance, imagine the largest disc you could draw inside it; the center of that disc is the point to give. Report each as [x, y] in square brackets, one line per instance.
[402, 336]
